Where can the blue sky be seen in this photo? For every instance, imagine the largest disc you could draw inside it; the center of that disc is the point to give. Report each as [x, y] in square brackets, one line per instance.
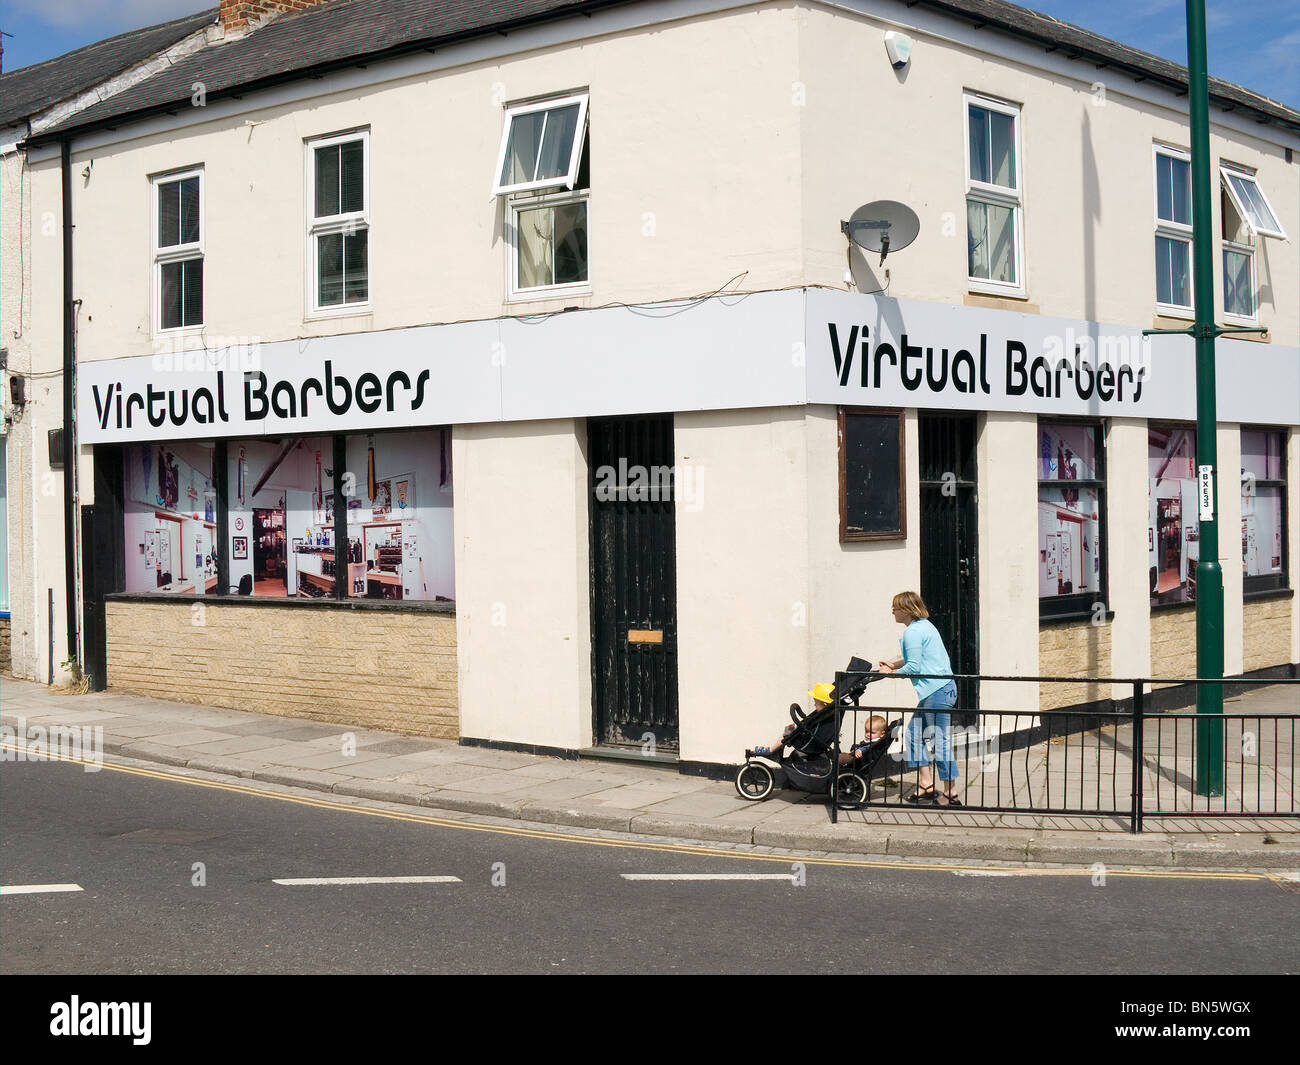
[1255, 43]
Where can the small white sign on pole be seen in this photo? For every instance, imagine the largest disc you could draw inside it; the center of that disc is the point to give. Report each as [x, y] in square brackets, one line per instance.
[1207, 492]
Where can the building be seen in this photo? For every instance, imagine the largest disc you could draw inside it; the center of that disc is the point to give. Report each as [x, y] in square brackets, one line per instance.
[503, 370]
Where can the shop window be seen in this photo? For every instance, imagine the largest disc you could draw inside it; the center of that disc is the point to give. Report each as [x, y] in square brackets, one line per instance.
[1173, 531]
[178, 250]
[1071, 517]
[338, 222]
[543, 169]
[1173, 231]
[399, 516]
[280, 517]
[169, 514]
[872, 475]
[1263, 509]
[994, 226]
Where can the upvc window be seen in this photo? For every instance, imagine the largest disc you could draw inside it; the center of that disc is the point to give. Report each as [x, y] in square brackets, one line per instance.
[1071, 517]
[543, 171]
[1173, 195]
[994, 223]
[178, 250]
[338, 222]
[1246, 214]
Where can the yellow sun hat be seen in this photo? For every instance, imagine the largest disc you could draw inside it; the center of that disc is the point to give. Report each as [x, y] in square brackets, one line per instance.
[823, 693]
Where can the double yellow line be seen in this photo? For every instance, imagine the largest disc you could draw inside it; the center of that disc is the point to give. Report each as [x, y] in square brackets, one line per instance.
[631, 844]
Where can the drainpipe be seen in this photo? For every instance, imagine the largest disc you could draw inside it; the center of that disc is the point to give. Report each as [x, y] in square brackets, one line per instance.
[69, 384]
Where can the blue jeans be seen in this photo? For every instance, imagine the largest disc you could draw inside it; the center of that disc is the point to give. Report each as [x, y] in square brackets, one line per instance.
[929, 733]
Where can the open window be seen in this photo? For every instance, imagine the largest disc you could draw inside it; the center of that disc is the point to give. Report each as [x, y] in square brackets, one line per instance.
[541, 145]
[1251, 203]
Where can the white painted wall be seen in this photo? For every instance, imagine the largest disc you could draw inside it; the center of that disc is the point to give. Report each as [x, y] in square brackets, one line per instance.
[523, 632]
[1127, 510]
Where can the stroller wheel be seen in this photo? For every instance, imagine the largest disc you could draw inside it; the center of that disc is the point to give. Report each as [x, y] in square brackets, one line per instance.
[852, 788]
[754, 781]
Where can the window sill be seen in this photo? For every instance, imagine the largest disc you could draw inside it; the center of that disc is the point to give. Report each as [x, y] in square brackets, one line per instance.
[1160, 608]
[992, 288]
[350, 310]
[1000, 302]
[1268, 593]
[179, 333]
[422, 606]
[1167, 315]
[556, 294]
[1045, 620]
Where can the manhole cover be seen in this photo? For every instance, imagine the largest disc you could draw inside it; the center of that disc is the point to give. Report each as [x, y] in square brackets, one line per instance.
[165, 835]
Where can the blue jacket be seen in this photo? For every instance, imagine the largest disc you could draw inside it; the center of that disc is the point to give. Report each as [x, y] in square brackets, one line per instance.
[923, 652]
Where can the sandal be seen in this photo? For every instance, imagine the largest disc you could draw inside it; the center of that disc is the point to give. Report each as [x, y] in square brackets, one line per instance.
[948, 800]
[922, 797]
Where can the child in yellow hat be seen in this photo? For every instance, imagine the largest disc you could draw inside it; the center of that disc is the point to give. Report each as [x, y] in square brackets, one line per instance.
[822, 695]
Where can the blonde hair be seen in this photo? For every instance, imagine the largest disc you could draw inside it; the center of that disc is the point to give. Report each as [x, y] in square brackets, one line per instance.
[911, 604]
[872, 722]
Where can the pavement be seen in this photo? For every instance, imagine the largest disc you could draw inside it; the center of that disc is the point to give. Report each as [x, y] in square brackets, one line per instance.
[653, 800]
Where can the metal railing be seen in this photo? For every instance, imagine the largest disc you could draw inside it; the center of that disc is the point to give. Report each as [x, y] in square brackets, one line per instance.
[1116, 758]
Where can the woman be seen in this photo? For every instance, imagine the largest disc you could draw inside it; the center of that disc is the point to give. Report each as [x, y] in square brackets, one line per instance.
[923, 652]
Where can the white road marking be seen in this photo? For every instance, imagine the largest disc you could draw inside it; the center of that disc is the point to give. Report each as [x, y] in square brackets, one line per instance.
[787, 877]
[37, 889]
[314, 881]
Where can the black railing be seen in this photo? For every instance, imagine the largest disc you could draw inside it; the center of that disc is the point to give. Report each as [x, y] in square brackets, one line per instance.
[1107, 757]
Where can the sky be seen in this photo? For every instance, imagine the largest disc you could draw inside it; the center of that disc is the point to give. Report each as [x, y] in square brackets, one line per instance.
[1255, 43]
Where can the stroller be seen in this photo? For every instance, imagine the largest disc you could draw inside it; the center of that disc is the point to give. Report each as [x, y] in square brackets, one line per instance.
[807, 761]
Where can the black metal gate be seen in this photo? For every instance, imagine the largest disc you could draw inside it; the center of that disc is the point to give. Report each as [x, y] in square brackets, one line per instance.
[949, 576]
[633, 580]
[103, 561]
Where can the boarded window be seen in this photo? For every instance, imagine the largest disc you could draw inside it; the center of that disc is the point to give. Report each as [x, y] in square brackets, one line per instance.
[872, 497]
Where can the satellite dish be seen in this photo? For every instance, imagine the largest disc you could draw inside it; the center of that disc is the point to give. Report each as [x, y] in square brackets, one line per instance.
[883, 226]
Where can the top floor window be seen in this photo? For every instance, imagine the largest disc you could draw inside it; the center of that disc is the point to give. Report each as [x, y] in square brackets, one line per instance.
[1245, 213]
[178, 250]
[543, 170]
[994, 226]
[1173, 180]
[338, 221]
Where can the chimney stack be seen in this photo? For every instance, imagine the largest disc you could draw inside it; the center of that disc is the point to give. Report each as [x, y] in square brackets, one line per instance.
[237, 14]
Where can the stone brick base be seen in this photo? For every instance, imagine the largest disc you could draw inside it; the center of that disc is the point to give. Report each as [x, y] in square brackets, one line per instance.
[1073, 649]
[1266, 632]
[5, 661]
[385, 669]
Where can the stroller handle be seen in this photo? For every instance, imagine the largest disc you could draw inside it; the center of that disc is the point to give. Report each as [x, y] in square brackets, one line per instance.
[796, 713]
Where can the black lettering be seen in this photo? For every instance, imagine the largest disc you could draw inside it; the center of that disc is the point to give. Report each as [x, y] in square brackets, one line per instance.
[392, 381]
[200, 417]
[251, 393]
[284, 390]
[308, 386]
[419, 389]
[185, 407]
[1062, 364]
[1017, 356]
[341, 407]
[1124, 371]
[221, 396]
[1141, 376]
[910, 351]
[369, 393]
[1105, 382]
[885, 351]
[984, 364]
[104, 405]
[1084, 366]
[1040, 377]
[156, 397]
[936, 385]
[133, 400]
[963, 358]
[843, 362]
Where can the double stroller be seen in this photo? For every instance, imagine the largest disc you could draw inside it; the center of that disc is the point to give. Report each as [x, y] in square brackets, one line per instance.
[807, 760]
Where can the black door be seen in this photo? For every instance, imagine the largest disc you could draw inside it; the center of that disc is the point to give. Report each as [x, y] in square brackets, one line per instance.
[633, 580]
[949, 578]
[103, 561]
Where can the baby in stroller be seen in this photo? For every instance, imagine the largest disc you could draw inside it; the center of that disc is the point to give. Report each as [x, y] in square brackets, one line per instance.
[802, 758]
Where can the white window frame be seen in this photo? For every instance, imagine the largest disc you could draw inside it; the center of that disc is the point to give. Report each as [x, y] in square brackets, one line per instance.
[575, 155]
[175, 253]
[514, 205]
[347, 222]
[1227, 171]
[996, 195]
[1172, 231]
[1241, 249]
